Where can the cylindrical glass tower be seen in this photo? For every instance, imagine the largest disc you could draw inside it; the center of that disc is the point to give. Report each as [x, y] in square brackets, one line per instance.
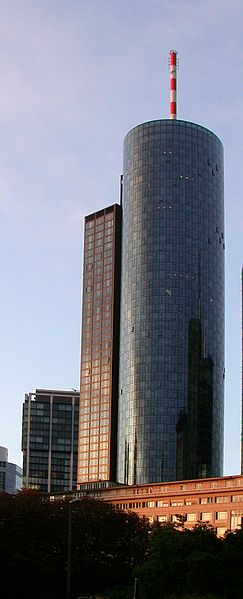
[171, 389]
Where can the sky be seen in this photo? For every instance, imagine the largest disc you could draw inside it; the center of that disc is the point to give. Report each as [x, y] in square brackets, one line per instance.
[75, 76]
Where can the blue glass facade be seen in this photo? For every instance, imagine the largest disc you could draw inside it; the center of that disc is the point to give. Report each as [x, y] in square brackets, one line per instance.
[50, 440]
[171, 388]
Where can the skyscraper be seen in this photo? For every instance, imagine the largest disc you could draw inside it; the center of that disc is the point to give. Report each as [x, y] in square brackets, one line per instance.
[172, 304]
[100, 346]
[171, 350]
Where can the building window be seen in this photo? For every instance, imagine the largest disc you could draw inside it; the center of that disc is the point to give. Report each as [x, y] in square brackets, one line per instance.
[220, 515]
[175, 518]
[223, 499]
[236, 498]
[205, 516]
[162, 518]
[191, 517]
[236, 519]
[220, 531]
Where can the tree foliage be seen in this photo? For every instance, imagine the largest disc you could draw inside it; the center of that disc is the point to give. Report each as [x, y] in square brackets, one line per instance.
[106, 545]
[193, 563]
[109, 549]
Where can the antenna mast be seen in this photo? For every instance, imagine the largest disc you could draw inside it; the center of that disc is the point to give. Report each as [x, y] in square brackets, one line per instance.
[172, 66]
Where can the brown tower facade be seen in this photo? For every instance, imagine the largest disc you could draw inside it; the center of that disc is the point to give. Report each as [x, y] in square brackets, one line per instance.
[100, 347]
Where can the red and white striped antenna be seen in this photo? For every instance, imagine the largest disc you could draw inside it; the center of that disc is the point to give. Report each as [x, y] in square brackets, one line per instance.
[172, 66]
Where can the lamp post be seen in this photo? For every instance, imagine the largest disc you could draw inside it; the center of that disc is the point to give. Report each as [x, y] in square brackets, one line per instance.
[69, 547]
[135, 588]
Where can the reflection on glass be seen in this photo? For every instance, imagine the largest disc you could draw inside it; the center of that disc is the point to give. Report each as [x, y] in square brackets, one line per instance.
[171, 356]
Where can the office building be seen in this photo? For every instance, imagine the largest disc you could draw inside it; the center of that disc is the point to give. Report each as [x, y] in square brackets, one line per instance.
[10, 474]
[217, 501]
[50, 439]
[172, 304]
[171, 380]
[171, 348]
[100, 346]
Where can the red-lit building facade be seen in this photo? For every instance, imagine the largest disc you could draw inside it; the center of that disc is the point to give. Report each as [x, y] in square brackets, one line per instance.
[99, 347]
[218, 501]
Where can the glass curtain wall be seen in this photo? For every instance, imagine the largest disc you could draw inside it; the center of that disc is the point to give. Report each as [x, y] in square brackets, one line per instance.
[171, 388]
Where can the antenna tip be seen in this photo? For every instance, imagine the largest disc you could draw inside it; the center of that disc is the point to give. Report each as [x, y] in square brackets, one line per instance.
[173, 65]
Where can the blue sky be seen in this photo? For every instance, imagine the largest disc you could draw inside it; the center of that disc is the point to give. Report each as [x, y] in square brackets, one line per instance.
[75, 76]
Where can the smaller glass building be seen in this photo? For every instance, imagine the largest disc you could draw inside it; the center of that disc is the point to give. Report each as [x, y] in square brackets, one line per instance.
[10, 474]
[50, 440]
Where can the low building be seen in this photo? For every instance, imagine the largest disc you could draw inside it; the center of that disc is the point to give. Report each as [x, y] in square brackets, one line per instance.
[10, 474]
[50, 440]
[217, 501]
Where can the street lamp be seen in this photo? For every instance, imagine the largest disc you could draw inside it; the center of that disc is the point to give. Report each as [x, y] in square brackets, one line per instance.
[69, 547]
[135, 588]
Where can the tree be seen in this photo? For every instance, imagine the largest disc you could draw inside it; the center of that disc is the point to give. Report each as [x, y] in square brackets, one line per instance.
[181, 562]
[109, 540]
[233, 544]
[106, 545]
[32, 546]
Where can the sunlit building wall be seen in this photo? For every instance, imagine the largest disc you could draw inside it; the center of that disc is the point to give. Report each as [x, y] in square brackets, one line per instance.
[97, 445]
[214, 501]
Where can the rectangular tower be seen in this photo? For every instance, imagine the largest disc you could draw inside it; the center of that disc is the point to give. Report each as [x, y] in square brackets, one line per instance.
[100, 346]
[49, 440]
